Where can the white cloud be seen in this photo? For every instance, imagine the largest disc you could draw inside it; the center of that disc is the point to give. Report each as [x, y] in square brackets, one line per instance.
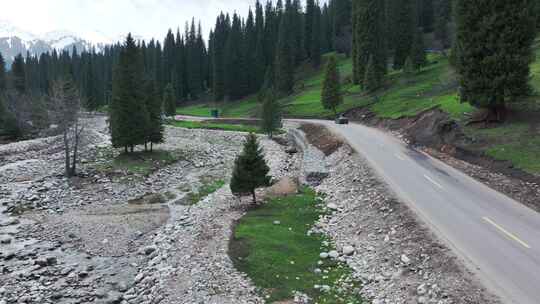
[147, 18]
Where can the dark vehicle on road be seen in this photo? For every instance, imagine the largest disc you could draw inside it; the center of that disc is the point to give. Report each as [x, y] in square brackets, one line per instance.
[342, 120]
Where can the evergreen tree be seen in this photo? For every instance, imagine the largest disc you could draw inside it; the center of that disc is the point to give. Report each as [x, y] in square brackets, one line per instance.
[2, 74]
[316, 38]
[342, 29]
[235, 82]
[250, 169]
[369, 40]
[371, 81]
[218, 69]
[169, 101]
[271, 114]
[155, 131]
[331, 96]
[308, 29]
[418, 51]
[129, 115]
[442, 12]
[284, 66]
[18, 74]
[493, 68]
[405, 25]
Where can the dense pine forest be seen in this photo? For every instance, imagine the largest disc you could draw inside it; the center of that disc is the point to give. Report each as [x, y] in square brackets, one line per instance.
[265, 48]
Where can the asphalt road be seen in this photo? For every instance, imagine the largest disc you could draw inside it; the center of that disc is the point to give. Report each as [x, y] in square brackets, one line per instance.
[497, 237]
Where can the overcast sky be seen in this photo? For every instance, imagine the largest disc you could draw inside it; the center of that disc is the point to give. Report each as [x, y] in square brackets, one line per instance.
[147, 18]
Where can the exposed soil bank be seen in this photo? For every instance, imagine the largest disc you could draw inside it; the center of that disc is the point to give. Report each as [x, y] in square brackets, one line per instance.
[442, 137]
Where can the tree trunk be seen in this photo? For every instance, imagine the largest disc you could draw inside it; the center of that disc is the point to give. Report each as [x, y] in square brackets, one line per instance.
[67, 154]
[125, 149]
[254, 197]
[146, 147]
[151, 147]
[132, 148]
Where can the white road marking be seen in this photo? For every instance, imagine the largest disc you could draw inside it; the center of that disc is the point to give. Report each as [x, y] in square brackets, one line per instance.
[510, 235]
[433, 181]
[399, 156]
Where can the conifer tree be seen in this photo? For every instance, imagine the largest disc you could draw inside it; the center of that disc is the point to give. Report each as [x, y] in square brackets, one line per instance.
[371, 81]
[129, 115]
[442, 17]
[418, 51]
[284, 66]
[169, 101]
[271, 114]
[316, 38]
[369, 40]
[331, 96]
[404, 32]
[2, 74]
[155, 131]
[250, 169]
[308, 29]
[493, 69]
[18, 74]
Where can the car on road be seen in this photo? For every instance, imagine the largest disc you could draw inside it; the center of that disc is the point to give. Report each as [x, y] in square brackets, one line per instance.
[342, 120]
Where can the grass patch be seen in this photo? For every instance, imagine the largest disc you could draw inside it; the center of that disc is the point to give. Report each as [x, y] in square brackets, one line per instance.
[215, 126]
[138, 163]
[282, 259]
[246, 107]
[207, 188]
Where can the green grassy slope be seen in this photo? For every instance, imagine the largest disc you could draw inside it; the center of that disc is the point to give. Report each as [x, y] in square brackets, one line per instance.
[406, 96]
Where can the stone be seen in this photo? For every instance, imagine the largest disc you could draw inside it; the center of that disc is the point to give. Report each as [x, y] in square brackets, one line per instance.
[348, 250]
[333, 254]
[148, 250]
[421, 290]
[5, 240]
[277, 223]
[405, 259]
[422, 300]
[324, 255]
[333, 206]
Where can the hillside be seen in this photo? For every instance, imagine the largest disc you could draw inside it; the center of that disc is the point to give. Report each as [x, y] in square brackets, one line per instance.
[517, 140]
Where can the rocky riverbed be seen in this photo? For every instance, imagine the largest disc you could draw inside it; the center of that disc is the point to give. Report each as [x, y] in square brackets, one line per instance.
[121, 237]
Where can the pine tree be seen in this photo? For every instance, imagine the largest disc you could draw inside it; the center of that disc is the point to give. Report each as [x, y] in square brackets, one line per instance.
[405, 25]
[442, 12]
[316, 38]
[308, 29]
[271, 114]
[371, 82]
[369, 40]
[18, 74]
[2, 74]
[169, 101]
[155, 131]
[331, 96]
[250, 169]
[129, 115]
[418, 51]
[284, 66]
[493, 69]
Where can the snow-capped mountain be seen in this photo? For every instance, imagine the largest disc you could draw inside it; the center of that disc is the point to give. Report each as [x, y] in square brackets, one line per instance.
[14, 41]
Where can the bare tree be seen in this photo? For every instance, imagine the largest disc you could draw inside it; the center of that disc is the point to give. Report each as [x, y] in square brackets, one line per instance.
[66, 101]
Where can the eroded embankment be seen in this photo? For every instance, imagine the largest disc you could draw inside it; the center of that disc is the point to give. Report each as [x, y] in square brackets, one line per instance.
[439, 135]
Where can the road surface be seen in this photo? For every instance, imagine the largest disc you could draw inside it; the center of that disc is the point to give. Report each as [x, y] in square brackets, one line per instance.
[498, 237]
